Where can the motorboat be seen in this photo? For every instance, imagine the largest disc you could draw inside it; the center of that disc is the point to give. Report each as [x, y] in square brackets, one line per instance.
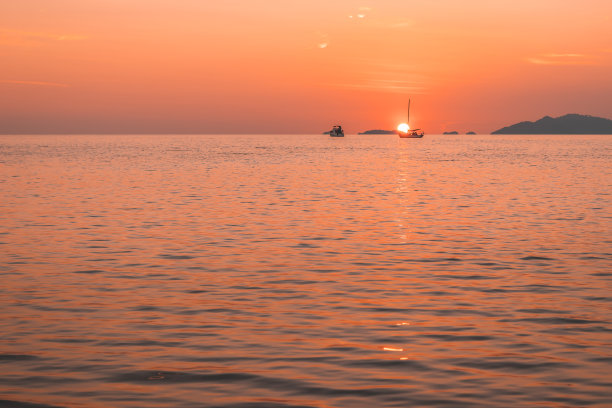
[336, 131]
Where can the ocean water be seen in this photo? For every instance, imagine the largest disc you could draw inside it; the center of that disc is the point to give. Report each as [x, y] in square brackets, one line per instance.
[305, 271]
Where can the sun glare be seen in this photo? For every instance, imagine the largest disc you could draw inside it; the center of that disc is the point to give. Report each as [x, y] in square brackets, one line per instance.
[403, 127]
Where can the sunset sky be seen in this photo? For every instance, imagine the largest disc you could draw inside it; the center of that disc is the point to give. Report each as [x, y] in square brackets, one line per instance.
[293, 66]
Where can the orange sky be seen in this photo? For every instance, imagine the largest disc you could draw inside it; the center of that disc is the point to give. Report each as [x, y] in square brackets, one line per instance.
[275, 66]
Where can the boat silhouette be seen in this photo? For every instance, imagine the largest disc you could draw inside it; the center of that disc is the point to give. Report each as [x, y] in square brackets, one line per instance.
[336, 131]
[410, 133]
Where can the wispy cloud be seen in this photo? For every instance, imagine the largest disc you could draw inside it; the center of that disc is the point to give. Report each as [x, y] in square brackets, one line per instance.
[323, 41]
[402, 24]
[362, 12]
[391, 86]
[389, 77]
[562, 59]
[33, 83]
[20, 37]
[564, 55]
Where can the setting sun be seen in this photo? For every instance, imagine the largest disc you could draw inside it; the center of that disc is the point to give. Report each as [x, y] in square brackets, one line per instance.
[403, 127]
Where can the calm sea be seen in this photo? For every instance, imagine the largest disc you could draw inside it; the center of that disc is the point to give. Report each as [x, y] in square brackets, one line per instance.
[305, 271]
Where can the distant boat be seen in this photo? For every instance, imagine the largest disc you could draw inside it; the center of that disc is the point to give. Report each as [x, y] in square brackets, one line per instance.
[410, 133]
[336, 131]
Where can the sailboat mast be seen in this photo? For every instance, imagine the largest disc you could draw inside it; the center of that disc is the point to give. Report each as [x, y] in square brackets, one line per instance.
[408, 117]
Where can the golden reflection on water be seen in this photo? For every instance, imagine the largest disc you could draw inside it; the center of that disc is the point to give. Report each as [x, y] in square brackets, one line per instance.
[168, 271]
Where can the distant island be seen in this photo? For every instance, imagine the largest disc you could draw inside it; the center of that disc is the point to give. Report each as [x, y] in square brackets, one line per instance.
[571, 124]
[454, 132]
[378, 132]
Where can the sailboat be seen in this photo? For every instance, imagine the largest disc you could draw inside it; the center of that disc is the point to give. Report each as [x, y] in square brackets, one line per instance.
[410, 133]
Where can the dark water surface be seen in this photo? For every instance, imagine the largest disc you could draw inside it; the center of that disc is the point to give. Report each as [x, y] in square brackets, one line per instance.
[305, 271]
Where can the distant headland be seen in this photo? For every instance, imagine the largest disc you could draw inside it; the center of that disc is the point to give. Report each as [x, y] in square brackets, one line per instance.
[571, 124]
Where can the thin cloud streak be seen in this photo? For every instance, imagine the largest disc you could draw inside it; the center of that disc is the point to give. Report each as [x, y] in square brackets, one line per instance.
[386, 86]
[35, 83]
[388, 77]
[562, 59]
[362, 13]
[18, 37]
[402, 24]
[565, 55]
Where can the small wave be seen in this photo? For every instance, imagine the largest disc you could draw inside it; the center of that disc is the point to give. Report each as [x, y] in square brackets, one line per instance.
[558, 320]
[169, 256]
[378, 364]
[536, 258]
[433, 260]
[138, 343]
[542, 311]
[262, 405]
[469, 277]
[19, 404]
[304, 245]
[17, 357]
[451, 337]
[146, 308]
[510, 365]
